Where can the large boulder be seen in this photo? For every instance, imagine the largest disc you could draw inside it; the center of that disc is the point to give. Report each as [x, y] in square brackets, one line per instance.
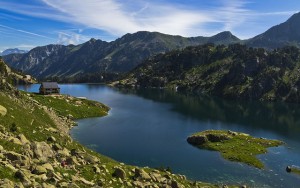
[119, 173]
[42, 151]
[3, 110]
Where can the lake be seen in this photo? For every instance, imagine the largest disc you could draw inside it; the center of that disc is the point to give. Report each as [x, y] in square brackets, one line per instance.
[150, 128]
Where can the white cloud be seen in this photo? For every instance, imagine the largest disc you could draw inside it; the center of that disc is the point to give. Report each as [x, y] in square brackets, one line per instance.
[68, 37]
[118, 17]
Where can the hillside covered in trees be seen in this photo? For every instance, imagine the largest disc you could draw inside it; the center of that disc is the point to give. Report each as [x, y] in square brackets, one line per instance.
[233, 71]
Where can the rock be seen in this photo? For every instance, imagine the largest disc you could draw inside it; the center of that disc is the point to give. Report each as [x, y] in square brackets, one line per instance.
[91, 159]
[243, 186]
[72, 161]
[86, 182]
[45, 185]
[175, 184]
[23, 139]
[156, 177]
[56, 147]
[15, 140]
[224, 186]
[23, 177]
[51, 139]
[13, 156]
[197, 139]
[138, 184]
[48, 167]
[6, 183]
[39, 170]
[3, 110]
[141, 174]
[96, 169]
[70, 116]
[119, 173]
[42, 151]
[288, 169]
[64, 152]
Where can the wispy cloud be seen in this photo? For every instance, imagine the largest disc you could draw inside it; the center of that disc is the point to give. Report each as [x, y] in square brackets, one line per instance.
[25, 32]
[119, 17]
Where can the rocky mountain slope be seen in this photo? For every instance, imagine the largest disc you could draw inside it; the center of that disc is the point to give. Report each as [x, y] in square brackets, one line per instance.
[232, 72]
[96, 56]
[287, 33]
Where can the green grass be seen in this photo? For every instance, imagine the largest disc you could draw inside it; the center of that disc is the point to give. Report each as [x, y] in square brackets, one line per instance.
[240, 148]
[78, 108]
[295, 170]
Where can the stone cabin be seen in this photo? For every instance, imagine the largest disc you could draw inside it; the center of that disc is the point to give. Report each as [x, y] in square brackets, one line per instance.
[49, 88]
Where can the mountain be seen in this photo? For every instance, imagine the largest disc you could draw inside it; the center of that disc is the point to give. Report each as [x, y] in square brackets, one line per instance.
[96, 56]
[13, 51]
[234, 72]
[287, 33]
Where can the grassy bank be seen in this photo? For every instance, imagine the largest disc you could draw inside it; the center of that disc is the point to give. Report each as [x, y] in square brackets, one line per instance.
[234, 146]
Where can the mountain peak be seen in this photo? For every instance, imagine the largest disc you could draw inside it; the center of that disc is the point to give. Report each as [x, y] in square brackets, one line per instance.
[13, 51]
[287, 33]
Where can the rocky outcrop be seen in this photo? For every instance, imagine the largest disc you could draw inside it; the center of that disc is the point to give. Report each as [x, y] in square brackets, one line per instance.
[200, 139]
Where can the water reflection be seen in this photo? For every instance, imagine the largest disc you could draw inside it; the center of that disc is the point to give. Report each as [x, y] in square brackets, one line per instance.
[279, 117]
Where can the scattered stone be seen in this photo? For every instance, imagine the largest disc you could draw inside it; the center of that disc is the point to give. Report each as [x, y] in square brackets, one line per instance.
[91, 159]
[6, 183]
[3, 110]
[288, 169]
[23, 139]
[39, 170]
[48, 167]
[56, 147]
[96, 169]
[51, 139]
[42, 151]
[86, 182]
[15, 140]
[141, 174]
[13, 156]
[119, 173]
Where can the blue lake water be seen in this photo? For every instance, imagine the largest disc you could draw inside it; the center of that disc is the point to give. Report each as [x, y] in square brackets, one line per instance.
[150, 127]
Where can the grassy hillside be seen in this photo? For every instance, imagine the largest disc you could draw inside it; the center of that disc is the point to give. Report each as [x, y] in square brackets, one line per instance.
[36, 149]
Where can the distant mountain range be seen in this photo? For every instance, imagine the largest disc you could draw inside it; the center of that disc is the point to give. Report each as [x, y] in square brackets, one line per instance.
[119, 56]
[13, 51]
[124, 54]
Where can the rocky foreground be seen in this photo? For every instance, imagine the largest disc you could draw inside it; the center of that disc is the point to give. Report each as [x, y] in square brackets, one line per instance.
[37, 151]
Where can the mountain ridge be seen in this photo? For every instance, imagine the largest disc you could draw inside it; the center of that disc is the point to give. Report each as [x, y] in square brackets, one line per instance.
[118, 56]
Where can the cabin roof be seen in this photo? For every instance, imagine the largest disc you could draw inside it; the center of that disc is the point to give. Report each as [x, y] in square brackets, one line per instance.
[50, 85]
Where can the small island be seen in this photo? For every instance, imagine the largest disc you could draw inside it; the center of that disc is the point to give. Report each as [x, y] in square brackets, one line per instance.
[234, 146]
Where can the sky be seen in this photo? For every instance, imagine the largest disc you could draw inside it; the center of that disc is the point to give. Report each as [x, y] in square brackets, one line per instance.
[25, 24]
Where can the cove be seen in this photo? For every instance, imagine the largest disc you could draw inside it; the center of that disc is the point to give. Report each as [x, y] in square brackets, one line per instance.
[150, 127]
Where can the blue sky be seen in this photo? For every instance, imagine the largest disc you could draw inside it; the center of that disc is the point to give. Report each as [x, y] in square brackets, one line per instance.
[26, 24]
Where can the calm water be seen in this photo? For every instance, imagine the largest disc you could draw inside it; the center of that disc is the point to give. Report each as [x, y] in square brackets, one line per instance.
[150, 127]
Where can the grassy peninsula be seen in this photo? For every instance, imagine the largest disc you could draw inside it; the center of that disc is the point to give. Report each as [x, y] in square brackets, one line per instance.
[234, 146]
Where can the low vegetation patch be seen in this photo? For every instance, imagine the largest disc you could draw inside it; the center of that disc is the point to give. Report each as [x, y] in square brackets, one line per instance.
[71, 106]
[234, 146]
